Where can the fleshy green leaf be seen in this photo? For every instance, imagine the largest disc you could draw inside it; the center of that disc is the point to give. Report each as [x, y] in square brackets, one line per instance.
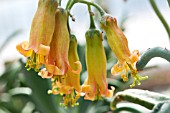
[144, 98]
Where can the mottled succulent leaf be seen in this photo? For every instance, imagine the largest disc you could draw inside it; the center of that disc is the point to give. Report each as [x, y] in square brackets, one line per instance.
[144, 98]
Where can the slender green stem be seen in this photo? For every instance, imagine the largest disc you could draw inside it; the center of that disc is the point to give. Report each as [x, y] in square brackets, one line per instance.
[69, 4]
[101, 11]
[92, 24]
[158, 13]
[151, 53]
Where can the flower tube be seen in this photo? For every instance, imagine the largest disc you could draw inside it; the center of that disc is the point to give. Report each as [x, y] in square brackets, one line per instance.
[73, 57]
[69, 84]
[57, 62]
[95, 85]
[119, 45]
[42, 29]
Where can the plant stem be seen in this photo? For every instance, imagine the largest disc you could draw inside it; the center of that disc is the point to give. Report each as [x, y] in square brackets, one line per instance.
[101, 11]
[92, 24]
[155, 8]
[67, 7]
[151, 53]
[70, 5]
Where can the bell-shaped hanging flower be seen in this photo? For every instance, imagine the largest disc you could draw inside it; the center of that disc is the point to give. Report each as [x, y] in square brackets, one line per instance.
[95, 85]
[119, 45]
[57, 62]
[69, 84]
[42, 29]
[73, 79]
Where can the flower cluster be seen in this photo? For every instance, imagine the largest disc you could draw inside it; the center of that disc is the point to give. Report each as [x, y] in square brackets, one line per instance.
[52, 52]
[50, 46]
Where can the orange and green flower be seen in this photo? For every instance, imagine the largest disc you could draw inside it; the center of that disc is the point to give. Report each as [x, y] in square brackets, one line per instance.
[57, 62]
[69, 84]
[95, 85]
[42, 29]
[119, 45]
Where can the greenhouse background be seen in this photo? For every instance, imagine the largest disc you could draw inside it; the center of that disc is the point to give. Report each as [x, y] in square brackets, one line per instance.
[20, 92]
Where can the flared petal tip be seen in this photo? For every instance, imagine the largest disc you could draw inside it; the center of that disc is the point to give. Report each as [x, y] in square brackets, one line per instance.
[86, 93]
[23, 48]
[110, 92]
[116, 70]
[54, 69]
[134, 56]
[78, 88]
[87, 97]
[78, 63]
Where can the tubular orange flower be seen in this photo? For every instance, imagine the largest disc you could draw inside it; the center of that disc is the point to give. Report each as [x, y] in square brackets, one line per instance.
[37, 49]
[95, 85]
[69, 84]
[57, 62]
[119, 45]
[73, 79]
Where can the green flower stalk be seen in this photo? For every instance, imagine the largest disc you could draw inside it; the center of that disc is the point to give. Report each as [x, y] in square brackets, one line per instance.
[95, 86]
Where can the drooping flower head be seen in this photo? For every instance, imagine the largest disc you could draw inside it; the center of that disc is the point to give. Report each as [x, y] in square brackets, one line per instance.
[61, 62]
[119, 45]
[95, 85]
[57, 62]
[37, 49]
[73, 79]
[69, 84]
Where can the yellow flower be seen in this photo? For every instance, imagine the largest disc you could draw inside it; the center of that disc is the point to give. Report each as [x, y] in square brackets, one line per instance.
[119, 45]
[95, 85]
[72, 78]
[69, 84]
[37, 49]
[57, 62]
